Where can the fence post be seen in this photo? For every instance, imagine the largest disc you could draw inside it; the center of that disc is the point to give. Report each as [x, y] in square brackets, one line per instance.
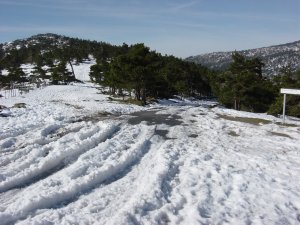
[283, 110]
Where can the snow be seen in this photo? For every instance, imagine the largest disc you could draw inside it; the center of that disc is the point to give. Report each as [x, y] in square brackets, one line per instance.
[72, 156]
[27, 68]
[81, 70]
[5, 72]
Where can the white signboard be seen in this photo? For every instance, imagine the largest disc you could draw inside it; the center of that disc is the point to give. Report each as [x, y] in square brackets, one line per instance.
[290, 91]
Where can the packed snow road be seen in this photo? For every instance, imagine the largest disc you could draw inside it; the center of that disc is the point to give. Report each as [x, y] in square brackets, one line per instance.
[73, 157]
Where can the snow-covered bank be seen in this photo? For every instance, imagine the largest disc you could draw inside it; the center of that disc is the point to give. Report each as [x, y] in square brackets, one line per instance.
[181, 162]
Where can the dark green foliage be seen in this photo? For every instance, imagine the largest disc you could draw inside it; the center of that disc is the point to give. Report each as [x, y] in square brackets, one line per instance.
[45, 49]
[16, 74]
[97, 71]
[60, 74]
[137, 71]
[124, 69]
[243, 87]
[38, 70]
[148, 74]
[286, 79]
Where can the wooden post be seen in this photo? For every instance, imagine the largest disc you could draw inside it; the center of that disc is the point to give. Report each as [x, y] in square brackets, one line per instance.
[283, 111]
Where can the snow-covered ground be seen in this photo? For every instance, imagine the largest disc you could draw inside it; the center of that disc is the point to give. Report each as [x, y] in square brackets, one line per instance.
[82, 70]
[73, 157]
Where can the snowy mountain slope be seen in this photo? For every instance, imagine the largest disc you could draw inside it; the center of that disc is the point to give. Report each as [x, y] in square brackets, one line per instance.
[65, 160]
[274, 57]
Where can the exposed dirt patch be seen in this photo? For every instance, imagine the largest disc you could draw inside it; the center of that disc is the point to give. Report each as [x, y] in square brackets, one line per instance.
[100, 116]
[232, 133]
[74, 106]
[253, 121]
[152, 118]
[280, 134]
[19, 105]
[287, 124]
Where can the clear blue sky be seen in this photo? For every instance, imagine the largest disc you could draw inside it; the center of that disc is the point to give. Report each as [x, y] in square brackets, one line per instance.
[177, 27]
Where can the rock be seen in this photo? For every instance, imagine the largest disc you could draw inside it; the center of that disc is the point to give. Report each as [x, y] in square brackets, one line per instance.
[19, 105]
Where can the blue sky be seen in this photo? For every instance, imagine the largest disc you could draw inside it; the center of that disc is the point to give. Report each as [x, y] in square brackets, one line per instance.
[181, 28]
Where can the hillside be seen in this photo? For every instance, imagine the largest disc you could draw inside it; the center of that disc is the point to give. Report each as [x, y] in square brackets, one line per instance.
[29, 48]
[51, 58]
[137, 73]
[123, 69]
[274, 57]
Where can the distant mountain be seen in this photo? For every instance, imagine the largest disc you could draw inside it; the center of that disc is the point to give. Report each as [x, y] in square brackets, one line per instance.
[274, 57]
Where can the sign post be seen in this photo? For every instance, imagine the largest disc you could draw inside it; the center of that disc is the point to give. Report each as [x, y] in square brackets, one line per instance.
[286, 91]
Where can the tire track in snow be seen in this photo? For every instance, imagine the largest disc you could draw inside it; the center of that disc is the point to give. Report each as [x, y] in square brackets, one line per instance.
[171, 154]
[210, 179]
[35, 117]
[9, 142]
[39, 146]
[152, 184]
[151, 192]
[175, 199]
[93, 168]
[117, 173]
[58, 155]
[110, 197]
[38, 138]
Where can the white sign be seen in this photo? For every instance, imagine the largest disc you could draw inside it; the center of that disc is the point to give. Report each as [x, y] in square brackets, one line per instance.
[290, 91]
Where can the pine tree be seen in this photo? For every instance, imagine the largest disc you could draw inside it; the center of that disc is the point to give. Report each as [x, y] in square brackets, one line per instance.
[60, 74]
[243, 87]
[16, 74]
[98, 70]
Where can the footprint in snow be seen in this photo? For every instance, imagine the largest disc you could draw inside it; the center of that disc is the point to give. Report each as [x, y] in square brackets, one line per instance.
[217, 167]
[207, 157]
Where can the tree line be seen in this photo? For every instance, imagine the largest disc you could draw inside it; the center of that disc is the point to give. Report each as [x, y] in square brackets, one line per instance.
[50, 54]
[146, 74]
[243, 87]
[142, 74]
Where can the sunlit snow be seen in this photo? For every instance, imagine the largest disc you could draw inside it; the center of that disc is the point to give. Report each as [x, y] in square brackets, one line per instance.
[72, 156]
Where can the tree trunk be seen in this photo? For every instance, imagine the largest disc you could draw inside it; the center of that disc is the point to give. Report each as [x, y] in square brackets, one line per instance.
[235, 104]
[71, 68]
[144, 96]
[138, 94]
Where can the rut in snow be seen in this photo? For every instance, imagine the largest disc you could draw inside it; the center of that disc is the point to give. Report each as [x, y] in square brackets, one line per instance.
[53, 157]
[96, 166]
[176, 165]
